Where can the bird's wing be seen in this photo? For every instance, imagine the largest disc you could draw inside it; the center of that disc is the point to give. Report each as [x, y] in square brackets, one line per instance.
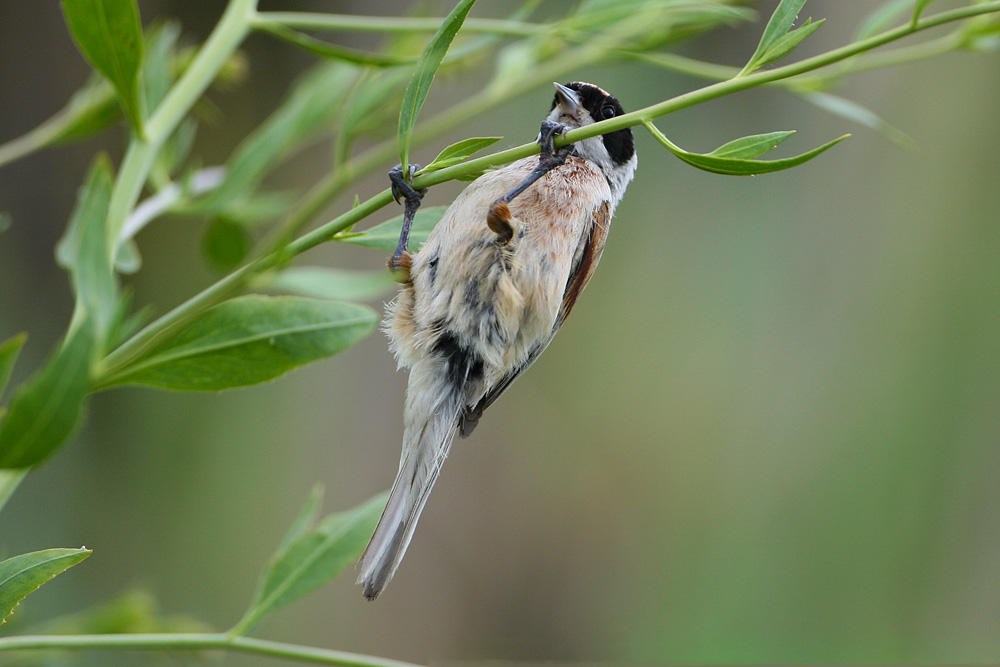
[584, 263]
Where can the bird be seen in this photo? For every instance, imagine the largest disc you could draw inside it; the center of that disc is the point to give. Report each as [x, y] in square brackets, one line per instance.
[491, 286]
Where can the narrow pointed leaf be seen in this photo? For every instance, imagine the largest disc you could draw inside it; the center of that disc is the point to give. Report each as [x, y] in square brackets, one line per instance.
[384, 236]
[248, 340]
[423, 76]
[787, 42]
[9, 350]
[851, 110]
[459, 152]
[882, 18]
[177, 148]
[369, 107]
[109, 35]
[85, 250]
[128, 324]
[311, 108]
[307, 517]
[315, 557]
[22, 575]
[337, 284]
[750, 147]
[780, 23]
[90, 110]
[738, 167]
[44, 412]
[157, 76]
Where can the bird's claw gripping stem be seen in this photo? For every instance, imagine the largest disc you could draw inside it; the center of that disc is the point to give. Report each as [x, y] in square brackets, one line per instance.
[400, 262]
[498, 218]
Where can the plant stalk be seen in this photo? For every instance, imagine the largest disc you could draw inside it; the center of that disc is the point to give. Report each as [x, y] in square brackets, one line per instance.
[391, 24]
[224, 40]
[198, 642]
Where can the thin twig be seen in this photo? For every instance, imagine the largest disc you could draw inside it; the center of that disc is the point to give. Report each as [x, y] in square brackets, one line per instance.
[198, 642]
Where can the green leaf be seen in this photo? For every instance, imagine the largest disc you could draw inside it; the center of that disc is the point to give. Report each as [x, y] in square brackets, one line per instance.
[132, 612]
[157, 76]
[459, 152]
[313, 558]
[787, 42]
[129, 323]
[778, 26]
[109, 35]
[982, 33]
[85, 250]
[737, 167]
[9, 350]
[423, 76]
[750, 147]
[370, 107]
[918, 9]
[881, 19]
[307, 517]
[176, 149]
[44, 412]
[332, 51]
[22, 575]
[336, 284]
[226, 244]
[514, 62]
[248, 340]
[384, 236]
[851, 110]
[250, 211]
[310, 109]
[90, 110]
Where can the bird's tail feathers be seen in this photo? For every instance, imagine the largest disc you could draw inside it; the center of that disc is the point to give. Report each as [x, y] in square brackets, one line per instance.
[425, 447]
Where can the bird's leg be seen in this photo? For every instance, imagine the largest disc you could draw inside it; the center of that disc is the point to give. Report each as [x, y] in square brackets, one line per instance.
[499, 218]
[401, 260]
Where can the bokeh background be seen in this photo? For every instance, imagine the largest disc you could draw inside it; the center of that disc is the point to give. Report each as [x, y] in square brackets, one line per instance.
[770, 431]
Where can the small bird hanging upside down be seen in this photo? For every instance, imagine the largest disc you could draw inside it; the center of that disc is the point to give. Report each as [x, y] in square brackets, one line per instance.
[488, 291]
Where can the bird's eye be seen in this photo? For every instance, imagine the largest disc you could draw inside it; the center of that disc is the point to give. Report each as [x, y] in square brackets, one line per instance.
[607, 111]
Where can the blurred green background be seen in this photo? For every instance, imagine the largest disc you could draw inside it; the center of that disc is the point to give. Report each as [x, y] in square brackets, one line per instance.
[768, 433]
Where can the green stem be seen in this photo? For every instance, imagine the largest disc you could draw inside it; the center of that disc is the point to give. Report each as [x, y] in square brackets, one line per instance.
[333, 184]
[225, 38]
[279, 247]
[198, 642]
[387, 24]
[758, 78]
[324, 191]
[148, 338]
[38, 138]
[908, 54]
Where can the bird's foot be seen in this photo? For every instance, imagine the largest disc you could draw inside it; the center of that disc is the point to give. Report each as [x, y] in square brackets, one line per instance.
[401, 260]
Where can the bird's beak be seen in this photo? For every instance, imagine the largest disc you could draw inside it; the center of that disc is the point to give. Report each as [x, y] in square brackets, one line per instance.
[569, 103]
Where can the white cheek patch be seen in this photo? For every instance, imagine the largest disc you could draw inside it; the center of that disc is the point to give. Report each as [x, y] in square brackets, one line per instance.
[593, 149]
